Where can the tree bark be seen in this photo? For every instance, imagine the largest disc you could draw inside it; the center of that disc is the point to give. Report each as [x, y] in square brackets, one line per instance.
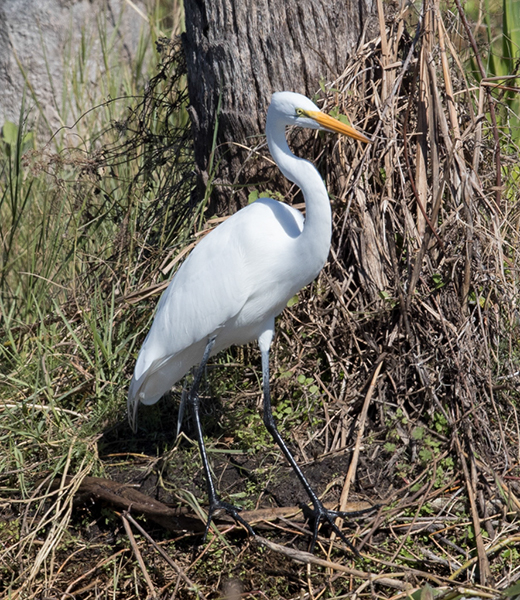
[242, 51]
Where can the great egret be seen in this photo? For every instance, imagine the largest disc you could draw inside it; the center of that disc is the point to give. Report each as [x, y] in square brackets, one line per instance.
[236, 281]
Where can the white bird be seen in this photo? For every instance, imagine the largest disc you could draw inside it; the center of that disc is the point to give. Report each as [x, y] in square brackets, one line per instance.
[236, 281]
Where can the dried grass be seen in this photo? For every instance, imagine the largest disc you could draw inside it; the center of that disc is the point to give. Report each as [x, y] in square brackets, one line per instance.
[411, 334]
[423, 277]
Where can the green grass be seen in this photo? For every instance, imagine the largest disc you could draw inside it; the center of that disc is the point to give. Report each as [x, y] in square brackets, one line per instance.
[87, 215]
[85, 219]
[500, 31]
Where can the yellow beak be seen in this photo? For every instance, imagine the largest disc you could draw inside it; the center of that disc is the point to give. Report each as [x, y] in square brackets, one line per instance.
[333, 124]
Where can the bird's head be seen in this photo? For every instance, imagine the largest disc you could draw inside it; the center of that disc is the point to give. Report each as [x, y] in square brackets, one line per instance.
[296, 109]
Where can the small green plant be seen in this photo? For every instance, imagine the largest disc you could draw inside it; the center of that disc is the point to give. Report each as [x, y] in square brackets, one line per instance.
[16, 142]
[253, 436]
[440, 423]
[384, 295]
[390, 447]
[255, 194]
[502, 29]
[438, 281]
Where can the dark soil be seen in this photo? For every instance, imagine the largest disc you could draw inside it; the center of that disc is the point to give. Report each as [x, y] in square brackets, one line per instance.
[161, 473]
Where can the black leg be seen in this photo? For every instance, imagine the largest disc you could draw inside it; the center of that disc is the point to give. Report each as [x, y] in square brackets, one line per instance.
[320, 513]
[215, 503]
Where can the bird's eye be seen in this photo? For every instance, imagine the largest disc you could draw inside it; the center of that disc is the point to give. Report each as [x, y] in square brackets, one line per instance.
[300, 112]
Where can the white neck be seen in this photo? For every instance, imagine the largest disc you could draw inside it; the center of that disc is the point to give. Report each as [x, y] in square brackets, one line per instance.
[314, 241]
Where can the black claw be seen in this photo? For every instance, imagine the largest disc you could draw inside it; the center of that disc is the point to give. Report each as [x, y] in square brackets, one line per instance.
[216, 505]
[319, 514]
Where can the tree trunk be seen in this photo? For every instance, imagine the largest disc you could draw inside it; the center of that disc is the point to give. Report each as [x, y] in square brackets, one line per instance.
[239, 52]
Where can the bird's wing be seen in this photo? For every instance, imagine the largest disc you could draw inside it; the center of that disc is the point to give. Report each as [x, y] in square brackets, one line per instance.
[203, 295]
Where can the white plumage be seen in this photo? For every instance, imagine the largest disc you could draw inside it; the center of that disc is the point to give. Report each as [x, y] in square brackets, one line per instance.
[231, 284]
[238, 279]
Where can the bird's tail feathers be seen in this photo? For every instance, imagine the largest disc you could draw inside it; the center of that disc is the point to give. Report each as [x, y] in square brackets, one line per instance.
[182, 406]
[133, 405]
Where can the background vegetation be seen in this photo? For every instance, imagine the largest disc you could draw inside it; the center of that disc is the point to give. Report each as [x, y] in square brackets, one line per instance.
[418, 358]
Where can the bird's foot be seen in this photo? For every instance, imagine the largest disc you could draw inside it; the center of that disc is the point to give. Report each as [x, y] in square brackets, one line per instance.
[321, 514]
[217, 505]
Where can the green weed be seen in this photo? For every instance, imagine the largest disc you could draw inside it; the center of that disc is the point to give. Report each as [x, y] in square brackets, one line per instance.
[501, 25]
[85, 218]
